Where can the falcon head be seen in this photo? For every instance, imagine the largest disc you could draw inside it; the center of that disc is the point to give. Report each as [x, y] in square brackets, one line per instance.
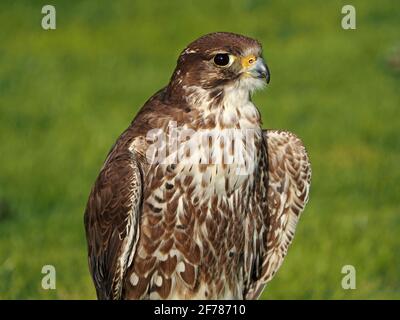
[220, 60]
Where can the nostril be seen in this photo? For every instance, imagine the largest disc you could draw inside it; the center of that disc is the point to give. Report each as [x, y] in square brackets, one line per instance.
[248, 60]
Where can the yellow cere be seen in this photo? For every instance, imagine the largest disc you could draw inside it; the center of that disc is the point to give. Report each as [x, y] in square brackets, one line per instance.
[248, 60]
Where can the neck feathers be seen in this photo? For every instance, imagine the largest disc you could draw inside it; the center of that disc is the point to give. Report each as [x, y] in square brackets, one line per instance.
[228, 107]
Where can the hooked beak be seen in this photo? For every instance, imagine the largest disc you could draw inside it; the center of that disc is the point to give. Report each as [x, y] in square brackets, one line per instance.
[256, 67]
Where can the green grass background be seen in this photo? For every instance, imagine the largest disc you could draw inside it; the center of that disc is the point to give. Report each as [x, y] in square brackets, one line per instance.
[66, 95]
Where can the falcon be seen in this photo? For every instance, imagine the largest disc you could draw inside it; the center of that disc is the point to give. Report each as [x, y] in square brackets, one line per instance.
[195, 200]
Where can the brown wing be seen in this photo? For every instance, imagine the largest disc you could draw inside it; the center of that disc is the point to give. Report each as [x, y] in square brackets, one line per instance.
[112, 221]
[289, 177]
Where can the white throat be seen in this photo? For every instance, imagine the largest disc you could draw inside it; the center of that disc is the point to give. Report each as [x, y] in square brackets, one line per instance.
[234, 110]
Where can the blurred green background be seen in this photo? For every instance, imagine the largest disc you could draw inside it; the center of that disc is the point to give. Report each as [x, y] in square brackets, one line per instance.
[66, 95]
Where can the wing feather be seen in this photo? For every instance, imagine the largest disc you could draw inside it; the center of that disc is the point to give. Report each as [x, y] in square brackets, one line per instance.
[112, 221]
[289, 178]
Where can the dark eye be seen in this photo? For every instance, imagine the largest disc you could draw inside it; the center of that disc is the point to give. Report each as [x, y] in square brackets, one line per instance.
[221, 59]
